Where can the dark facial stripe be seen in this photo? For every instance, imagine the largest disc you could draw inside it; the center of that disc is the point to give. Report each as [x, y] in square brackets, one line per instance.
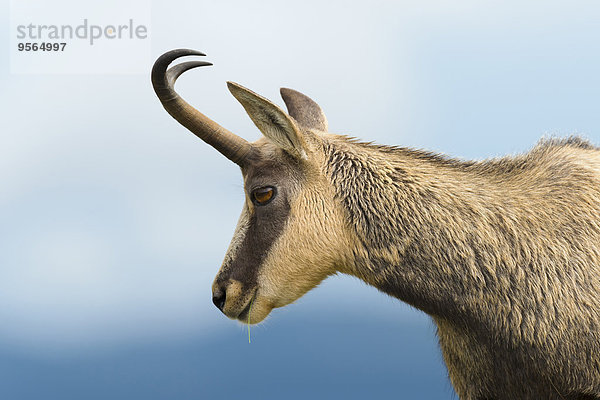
[265, 226]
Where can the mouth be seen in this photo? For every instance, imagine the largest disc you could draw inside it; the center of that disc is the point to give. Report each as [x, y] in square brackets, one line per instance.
[243, 315]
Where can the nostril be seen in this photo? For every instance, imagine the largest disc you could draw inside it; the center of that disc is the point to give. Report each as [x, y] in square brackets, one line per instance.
[219, 298]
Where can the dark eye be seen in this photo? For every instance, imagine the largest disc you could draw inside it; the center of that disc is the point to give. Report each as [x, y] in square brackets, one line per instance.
[263, 195]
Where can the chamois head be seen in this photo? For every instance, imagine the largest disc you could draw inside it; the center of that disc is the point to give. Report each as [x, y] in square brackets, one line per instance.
[291, 233]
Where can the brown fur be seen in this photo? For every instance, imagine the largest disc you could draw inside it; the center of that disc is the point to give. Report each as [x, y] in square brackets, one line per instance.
[504, 254]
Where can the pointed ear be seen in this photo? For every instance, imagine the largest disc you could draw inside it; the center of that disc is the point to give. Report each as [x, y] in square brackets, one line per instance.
[271, 120]
[304, 110]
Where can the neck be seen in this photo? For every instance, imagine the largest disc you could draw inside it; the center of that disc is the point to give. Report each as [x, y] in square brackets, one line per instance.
[431, 231]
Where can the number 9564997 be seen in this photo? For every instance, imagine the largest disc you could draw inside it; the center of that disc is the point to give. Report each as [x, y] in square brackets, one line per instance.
[44, 46]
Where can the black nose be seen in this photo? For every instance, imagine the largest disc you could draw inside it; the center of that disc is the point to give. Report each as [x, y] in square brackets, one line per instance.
[219, 298]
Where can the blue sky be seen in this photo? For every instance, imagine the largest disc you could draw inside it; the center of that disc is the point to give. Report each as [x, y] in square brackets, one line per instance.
[114, 219]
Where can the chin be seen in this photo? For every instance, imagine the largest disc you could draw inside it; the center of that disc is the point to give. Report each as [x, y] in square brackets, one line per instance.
[255, 312]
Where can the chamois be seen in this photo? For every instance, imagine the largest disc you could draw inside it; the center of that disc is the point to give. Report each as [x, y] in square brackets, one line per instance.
[503, 254]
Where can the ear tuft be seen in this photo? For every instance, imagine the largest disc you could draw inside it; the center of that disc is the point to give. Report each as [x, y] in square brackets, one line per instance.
[304, 109]
[271, 120]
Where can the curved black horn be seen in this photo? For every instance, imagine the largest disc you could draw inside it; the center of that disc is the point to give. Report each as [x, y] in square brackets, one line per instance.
[230, 145]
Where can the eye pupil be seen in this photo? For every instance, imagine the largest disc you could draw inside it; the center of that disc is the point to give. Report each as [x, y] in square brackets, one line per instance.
[263, 195]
